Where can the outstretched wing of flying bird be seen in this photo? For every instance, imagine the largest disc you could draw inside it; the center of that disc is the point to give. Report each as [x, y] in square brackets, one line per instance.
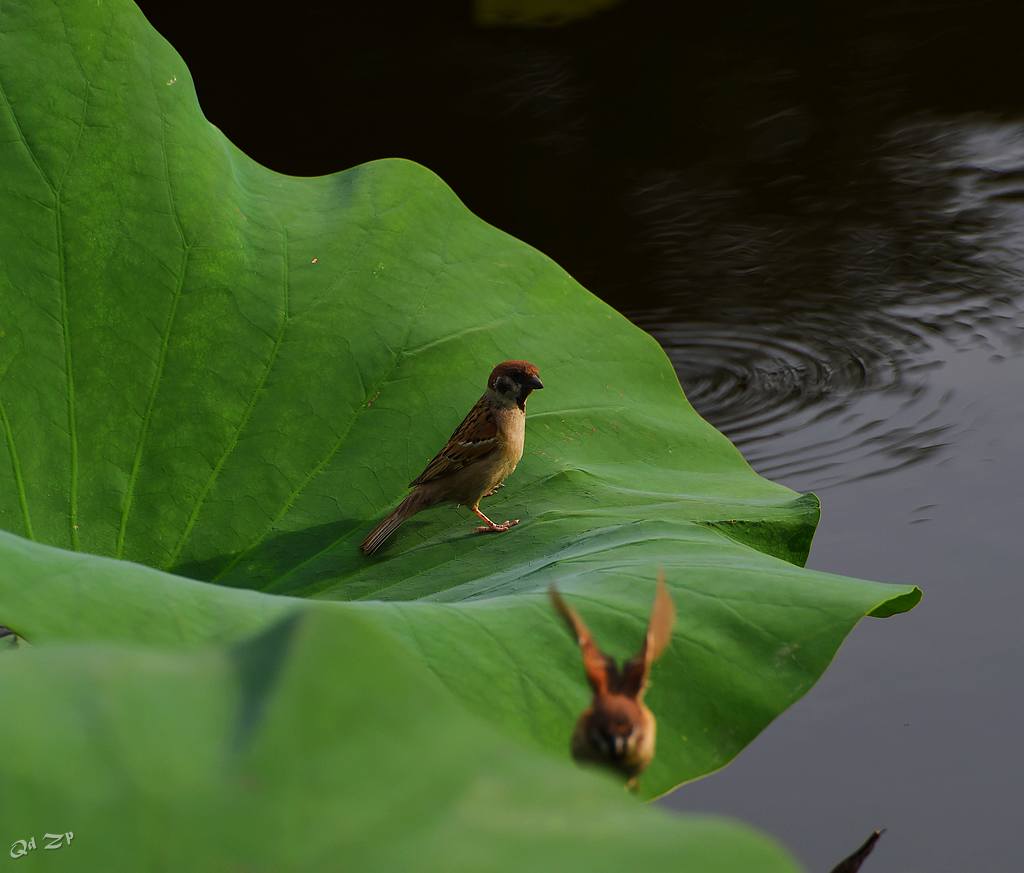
[600, 669]
[637, 669]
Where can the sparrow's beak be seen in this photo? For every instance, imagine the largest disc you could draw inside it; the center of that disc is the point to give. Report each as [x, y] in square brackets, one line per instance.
[535, 383]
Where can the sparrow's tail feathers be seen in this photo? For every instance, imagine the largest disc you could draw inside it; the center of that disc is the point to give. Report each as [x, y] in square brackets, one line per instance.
[379, 535]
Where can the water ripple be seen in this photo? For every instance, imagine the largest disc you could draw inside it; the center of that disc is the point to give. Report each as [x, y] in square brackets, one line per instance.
[816, 350]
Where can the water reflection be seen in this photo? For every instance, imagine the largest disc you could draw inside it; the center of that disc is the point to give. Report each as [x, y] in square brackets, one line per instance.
[813, 349]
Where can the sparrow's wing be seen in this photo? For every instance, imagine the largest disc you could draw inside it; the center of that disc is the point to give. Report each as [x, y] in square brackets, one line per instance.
[600, 669]
[659, 633]
[473, 440]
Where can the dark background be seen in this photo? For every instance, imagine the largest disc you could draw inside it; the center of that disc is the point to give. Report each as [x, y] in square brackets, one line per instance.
[554, 133]
[818, 209]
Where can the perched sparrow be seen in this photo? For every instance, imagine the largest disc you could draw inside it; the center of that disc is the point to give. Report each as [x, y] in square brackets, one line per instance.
[478, 457]
[617, 730]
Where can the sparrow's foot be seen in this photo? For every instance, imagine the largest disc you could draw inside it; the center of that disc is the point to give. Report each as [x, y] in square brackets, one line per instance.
[490, 526]
[497, 528]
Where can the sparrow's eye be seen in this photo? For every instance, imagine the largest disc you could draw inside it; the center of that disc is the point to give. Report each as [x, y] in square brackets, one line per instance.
[505, 385]
[528, 380]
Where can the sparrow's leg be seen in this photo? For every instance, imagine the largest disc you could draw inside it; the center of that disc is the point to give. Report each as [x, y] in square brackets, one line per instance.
[491, 527]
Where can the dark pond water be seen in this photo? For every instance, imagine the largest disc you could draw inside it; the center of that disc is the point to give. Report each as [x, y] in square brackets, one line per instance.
[821, 217]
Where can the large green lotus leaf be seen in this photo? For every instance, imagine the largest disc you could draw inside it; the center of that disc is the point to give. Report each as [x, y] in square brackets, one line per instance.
[313, 746]
[229, 374]
[506, 657]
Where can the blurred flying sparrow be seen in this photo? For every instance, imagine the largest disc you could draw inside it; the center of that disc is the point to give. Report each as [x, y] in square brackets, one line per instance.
[479, 456]
[617, 730]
